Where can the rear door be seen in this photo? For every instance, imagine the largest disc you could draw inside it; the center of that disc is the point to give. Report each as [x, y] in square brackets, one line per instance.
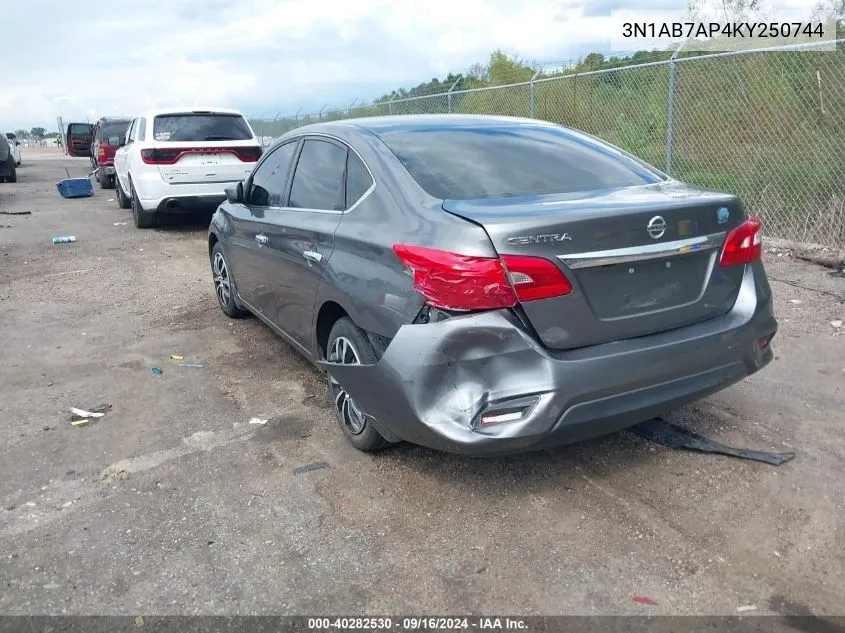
[121, 158]
[203, 147]
[639, 250]
[79, 137]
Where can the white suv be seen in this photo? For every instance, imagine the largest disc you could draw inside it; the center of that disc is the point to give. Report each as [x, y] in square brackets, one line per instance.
[181, 159]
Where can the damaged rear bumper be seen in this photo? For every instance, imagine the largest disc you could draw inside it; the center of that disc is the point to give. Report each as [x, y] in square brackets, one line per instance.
[437, 381]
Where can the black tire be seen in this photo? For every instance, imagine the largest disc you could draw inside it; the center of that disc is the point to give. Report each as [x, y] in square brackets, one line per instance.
[107, 182]
[143, 219]
[122, 199]
[223, 277]
[13, 173]
[357, 428]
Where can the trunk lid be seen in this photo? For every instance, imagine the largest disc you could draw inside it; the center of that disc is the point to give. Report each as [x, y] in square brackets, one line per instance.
[640, 259]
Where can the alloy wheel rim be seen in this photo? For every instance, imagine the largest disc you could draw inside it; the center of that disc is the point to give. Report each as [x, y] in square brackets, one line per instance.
[222, 286]
[343, 352]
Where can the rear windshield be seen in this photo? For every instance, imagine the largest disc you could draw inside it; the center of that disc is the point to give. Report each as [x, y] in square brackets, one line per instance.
[114, 128]
[466, 163]
[201, 127]
[80, 128]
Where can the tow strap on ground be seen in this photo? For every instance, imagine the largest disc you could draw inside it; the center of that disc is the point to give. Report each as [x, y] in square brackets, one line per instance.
[662, 432]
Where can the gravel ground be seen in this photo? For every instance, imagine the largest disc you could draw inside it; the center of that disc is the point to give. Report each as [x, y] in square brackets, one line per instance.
[174, 504]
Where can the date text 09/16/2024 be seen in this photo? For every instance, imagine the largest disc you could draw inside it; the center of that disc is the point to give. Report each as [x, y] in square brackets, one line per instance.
[418, 623]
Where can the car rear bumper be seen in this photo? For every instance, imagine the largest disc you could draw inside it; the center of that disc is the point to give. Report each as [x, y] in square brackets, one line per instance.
[435, 381]
[157, 195]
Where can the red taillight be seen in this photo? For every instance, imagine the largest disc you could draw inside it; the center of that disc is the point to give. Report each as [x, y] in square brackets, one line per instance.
[744, 244]
[462, 282]
[535, 278]
[170, 156]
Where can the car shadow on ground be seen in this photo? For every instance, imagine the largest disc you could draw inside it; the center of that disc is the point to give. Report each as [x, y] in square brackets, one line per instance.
[193, 221]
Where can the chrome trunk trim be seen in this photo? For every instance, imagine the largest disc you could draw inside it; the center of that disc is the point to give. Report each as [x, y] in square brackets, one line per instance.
[643, 252]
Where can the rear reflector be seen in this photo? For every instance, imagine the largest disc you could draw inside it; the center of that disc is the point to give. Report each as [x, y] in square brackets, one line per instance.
[744, 244]
[462, 282]
[507, 411]
[171, 155]
[535, 278]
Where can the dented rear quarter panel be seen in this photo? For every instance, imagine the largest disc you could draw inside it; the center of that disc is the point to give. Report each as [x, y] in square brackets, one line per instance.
[363, 275]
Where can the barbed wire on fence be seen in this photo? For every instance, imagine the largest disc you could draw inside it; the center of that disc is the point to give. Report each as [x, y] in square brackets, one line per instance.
[766, 125]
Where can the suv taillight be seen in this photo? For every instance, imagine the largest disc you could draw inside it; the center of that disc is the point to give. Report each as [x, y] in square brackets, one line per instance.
[170, 156]
[744, 244]
[463, 282]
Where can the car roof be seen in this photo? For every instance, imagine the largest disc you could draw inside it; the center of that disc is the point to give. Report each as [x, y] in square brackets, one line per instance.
[419, 122]
[192, 110]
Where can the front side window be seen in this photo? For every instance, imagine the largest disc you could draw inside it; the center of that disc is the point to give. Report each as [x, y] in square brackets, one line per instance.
[269, 180]
[318, 181]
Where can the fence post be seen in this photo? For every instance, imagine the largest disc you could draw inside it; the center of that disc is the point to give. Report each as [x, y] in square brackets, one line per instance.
[670, 107]
[532, 107]
[320, 114]
[390, 104]
[350, 107]
[449, 96]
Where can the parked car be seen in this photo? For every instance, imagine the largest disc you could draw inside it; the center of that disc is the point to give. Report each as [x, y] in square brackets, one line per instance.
[79, 137]
[107, 135]
[489, 284]
[8, 169]
[15, 146]
[179, 160]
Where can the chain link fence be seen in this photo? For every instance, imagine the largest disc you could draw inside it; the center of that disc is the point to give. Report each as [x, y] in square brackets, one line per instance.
[768, 125]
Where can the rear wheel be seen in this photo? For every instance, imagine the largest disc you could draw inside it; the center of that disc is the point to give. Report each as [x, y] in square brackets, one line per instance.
[348, 345]
[143, 219]
[122, 199]
[224, 285]
[13, 173]
[106, 182]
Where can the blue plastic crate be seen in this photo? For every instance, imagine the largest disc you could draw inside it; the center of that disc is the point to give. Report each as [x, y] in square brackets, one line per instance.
[75, 188]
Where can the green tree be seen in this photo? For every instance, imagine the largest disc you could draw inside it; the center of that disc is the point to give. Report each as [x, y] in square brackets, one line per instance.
[22, 134]
[38, 132]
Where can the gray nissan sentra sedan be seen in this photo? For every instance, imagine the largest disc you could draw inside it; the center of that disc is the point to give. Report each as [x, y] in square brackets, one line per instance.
[487, 285]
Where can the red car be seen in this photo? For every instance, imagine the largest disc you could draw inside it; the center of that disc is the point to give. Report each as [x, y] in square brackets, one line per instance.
[108, 134]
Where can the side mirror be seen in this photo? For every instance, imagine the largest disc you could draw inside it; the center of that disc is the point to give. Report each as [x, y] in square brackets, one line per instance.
[17, 143]
[115, 141]
[235, 193]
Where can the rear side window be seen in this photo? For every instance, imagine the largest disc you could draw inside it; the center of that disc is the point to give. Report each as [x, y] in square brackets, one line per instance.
[358, 179]
[108, 129]
[200, 127]
[465, 163]
[268, 183]
[318, 181]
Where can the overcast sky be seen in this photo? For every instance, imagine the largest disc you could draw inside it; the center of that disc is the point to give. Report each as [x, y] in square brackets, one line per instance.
[86, 59]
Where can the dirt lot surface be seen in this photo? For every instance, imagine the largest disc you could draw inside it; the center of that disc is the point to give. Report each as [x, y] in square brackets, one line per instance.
[174, 504]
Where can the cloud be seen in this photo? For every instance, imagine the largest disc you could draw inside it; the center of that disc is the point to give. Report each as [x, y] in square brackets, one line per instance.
[265, 56]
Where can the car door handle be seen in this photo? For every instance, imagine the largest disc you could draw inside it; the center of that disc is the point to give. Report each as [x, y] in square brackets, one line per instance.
[312, 256]
[261, 239]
